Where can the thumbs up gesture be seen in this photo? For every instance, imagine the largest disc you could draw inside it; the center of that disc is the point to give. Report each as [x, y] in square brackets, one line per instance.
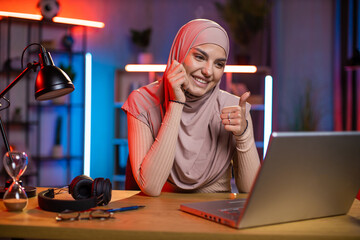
[234, 118]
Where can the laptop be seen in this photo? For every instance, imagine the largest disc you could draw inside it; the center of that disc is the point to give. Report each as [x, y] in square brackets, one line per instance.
[304, 175]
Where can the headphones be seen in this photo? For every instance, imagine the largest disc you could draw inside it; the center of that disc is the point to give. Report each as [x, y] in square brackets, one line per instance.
[87, 193]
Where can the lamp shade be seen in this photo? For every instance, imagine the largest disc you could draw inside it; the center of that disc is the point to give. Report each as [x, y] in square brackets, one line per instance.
[51, 82]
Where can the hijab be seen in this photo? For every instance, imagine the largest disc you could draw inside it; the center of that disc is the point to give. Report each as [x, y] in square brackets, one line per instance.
[204, 148]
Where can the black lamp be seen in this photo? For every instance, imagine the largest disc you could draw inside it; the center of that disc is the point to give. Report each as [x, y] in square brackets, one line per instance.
[51, 82]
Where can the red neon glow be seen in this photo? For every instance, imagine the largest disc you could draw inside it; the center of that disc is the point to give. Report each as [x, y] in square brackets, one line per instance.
[38, 17]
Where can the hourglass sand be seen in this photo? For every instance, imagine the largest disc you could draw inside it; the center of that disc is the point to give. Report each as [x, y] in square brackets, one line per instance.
[15, 198]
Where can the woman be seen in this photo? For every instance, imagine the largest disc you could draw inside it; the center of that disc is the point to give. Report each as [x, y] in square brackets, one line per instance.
[184, 133]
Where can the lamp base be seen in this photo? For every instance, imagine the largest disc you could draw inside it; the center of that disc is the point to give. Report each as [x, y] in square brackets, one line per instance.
[30, 191]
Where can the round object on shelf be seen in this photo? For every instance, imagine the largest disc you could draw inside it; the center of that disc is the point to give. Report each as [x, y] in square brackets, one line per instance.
[49, 8]
[67, 41]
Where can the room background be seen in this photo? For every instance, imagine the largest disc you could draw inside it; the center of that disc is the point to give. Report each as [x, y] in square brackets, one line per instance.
[299, 45]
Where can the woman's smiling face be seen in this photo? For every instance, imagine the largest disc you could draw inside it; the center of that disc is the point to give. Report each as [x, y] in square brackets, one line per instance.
[204, 67]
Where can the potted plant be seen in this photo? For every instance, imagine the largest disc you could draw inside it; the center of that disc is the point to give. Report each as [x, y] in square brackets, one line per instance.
[141, 39]
[17, 115]
[69, 71]
[306, 117]
[58, 148]
[245, 18]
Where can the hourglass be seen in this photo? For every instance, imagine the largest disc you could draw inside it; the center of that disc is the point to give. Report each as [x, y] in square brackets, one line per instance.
[15, 198]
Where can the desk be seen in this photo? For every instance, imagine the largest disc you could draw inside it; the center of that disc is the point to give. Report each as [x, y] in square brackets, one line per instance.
[162, 219]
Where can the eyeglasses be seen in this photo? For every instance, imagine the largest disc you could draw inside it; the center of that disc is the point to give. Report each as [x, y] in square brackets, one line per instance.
[69, 215]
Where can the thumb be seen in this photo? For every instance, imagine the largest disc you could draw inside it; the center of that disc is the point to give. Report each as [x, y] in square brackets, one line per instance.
[243, 98]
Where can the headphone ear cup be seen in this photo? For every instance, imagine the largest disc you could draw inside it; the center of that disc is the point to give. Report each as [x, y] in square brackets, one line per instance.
[101, 189]
[95, 192]
[107, 191]
[80, 187]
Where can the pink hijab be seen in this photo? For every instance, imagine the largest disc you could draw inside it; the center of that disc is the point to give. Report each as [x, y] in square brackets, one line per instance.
[204, 148]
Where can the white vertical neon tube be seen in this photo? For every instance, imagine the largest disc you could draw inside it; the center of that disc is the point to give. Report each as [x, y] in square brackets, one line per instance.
[87, 127]
[267, 111]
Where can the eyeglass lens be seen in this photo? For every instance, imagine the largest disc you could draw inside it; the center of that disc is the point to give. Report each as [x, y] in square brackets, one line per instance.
[73, 216]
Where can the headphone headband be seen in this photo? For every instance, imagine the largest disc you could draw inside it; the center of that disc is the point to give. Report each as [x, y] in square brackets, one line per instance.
[49, 203]
[87, 193]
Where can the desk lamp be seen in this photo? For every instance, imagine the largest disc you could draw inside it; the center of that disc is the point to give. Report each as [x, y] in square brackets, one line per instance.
[51, 82]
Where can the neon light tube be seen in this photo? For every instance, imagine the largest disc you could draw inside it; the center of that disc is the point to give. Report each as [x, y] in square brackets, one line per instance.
[21, 15]
[161, 68]
[145, 67]
[267, 111]
[87, 124]
[80, 22]
[240, 68]
[38, 17]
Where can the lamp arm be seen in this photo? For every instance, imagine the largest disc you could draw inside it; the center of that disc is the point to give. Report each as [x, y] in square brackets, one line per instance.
[3, 133]
[30, 66]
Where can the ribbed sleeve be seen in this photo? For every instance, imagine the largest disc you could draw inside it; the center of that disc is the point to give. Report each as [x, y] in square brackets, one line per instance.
[151, 160]
[246, 161]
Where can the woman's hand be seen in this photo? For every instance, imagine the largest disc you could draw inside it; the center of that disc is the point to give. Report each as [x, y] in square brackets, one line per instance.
[234, 118]
[177, 81]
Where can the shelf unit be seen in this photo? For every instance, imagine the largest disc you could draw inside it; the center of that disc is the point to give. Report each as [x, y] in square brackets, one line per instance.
[124, 83]
[34, 131]
[259, 82]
